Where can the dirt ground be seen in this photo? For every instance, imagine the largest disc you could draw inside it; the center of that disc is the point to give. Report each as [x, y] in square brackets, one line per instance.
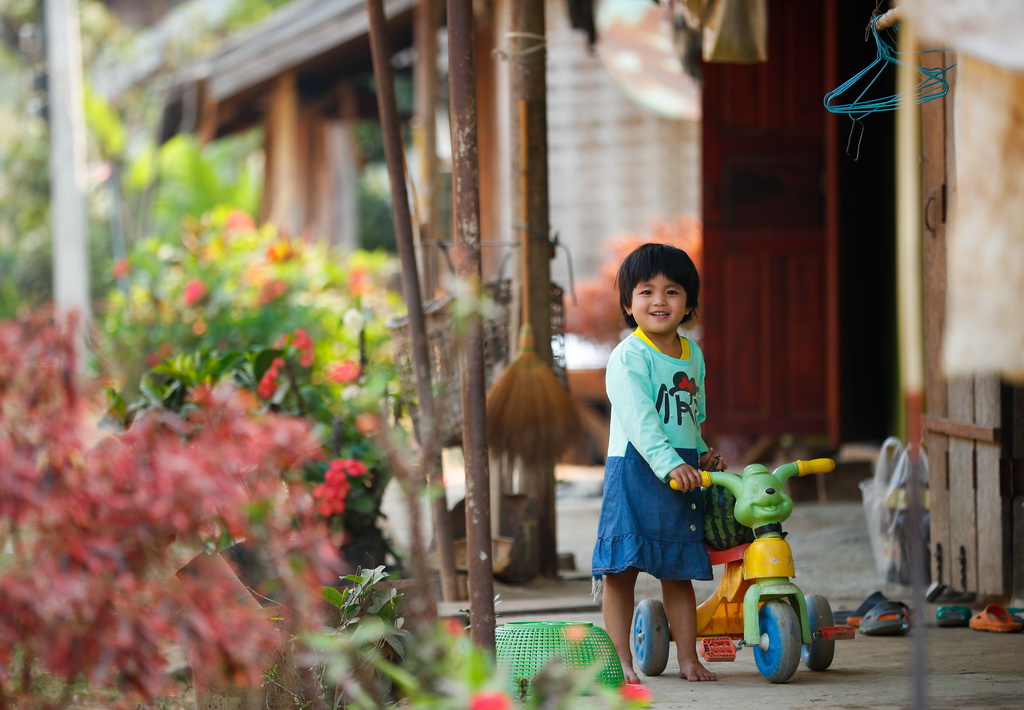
[964, 668]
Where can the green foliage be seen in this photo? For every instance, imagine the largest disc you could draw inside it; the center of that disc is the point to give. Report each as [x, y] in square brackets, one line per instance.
[191, 179]
[443, 669]
[362, 596]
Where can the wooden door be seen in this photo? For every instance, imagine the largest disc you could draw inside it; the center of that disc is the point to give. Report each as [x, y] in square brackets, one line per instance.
[969, 438]
[768, 300]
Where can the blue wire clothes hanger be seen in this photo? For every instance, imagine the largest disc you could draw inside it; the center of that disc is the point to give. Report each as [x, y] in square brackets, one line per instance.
[933, 84]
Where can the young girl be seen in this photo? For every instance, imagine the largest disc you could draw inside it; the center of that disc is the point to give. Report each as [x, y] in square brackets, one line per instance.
[655, 382]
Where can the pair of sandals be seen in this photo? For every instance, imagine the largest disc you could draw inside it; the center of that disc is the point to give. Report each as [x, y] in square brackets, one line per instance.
[992, 618]
[878, 616]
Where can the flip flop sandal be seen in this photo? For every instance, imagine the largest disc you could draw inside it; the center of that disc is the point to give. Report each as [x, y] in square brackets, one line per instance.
[995, 618]
[1016, 613]
[853, 618]
[886, 619]
[953, 616]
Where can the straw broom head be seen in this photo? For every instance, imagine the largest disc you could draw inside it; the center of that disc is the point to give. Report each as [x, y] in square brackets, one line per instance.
[530, 413]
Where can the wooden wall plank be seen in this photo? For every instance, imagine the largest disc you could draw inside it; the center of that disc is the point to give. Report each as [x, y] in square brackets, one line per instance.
[940, 542]
[934, 178]
[993, 508]
[963, 518]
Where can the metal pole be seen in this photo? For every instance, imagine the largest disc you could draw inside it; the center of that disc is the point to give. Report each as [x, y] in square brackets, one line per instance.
[67, 164]
[908, 231]
[466, 213]
[424, 606]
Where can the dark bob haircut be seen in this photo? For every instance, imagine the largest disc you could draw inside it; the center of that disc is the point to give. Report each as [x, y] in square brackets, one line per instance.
[650, 260]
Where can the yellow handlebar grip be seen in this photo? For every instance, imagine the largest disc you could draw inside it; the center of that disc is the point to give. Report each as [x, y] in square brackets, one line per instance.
[705, 481]
[815, 466]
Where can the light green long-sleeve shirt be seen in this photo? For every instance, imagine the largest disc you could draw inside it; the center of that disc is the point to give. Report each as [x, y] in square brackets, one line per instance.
[657, 402]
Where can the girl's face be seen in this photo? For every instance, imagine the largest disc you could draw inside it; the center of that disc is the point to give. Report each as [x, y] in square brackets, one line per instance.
[658, 305]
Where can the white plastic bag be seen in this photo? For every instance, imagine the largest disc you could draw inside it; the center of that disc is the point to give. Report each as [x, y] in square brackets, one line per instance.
[885, 510]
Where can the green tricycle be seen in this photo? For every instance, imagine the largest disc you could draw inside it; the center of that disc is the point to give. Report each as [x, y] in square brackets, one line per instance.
[755, 603]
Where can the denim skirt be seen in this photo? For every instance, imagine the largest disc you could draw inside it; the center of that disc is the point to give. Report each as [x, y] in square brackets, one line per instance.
[646, 524]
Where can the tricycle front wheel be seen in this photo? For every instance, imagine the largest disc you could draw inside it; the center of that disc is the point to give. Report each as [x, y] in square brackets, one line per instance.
[778, 655]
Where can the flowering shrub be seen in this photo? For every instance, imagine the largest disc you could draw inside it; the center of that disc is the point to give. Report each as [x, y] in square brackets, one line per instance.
[93, 525]
[349, 476]
[596, 315]
[298, 325]
[223, 284]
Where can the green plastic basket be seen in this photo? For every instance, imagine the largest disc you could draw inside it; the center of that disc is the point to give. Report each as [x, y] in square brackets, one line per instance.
[524, 648]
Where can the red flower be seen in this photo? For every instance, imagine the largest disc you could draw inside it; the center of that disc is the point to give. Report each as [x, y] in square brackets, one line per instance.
[636, 694]
[271, 290]
[195, 291]
[358, 282]
[490, 700]
[301, 341]
[344, 372]
[120, 268]
[239, 221]
[268, 383]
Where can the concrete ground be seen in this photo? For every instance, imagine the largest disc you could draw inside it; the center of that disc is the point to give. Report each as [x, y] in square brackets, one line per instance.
[964, 668]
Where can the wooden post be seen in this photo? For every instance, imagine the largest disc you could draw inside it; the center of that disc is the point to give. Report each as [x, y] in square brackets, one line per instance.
[466, 219]
[394, 155]
[67, 165]
[281, 206]
[424, 136]
[530, 85]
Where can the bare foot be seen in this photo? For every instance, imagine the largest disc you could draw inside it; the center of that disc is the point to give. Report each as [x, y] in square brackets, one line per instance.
[630, 675]
[693, 671]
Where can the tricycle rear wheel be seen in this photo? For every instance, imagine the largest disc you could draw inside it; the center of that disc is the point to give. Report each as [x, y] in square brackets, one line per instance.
[819, 653]
[650, 637]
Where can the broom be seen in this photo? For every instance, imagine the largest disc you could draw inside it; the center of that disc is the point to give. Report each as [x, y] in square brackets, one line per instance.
[530, 414]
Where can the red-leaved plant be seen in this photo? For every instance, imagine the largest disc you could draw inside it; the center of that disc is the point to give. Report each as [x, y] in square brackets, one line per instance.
[95, 525]
[595, 315]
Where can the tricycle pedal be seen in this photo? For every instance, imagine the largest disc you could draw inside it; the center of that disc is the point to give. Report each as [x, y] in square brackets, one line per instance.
[719, 648]
[837, 633]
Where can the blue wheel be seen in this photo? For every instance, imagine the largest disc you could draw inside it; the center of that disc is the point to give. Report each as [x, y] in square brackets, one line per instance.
[818, 654]
[778, 655]
[650, 637]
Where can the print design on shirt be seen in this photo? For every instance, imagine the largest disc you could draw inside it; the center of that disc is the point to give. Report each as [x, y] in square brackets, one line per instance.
[679, 401]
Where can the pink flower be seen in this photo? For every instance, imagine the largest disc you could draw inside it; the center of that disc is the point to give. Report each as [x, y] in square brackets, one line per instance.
[490, 700]
[195, 291]
[344, 372]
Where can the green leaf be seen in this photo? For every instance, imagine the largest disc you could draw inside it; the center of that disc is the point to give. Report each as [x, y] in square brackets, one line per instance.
[104, 125]
[334, 597]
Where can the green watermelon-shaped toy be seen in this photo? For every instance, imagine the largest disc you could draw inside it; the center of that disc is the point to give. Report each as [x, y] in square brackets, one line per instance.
[721, 529]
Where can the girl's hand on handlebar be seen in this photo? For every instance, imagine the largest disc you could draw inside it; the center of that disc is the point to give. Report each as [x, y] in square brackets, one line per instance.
[711, 460]
[685, 478]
